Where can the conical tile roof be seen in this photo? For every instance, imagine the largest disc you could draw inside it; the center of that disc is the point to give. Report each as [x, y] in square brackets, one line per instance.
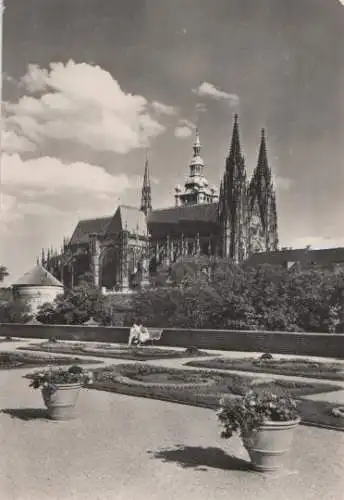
[38, 276]
[91, 322]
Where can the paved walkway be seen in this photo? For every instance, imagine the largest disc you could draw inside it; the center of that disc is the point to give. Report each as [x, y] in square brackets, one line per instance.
[127, 448]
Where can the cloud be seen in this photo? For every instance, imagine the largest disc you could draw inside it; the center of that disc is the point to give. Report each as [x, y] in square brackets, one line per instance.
[184, 129]
[207, 89]
[50, 174]
[47, 188]
[200, 107]
[15, 143]
[164, 109]
[83, 104]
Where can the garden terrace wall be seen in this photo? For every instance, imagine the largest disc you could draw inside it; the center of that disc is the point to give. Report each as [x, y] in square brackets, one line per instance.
[306, 344]
[311, 344]
[66, 332]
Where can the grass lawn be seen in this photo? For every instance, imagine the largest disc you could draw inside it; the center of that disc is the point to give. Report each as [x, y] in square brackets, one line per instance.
[294, 366]
[10, 360]
[109, 351]
[205, 388]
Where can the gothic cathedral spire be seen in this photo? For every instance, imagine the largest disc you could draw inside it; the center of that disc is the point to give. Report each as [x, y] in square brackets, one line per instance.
[233, 201]
[146, 193]
[263, 235]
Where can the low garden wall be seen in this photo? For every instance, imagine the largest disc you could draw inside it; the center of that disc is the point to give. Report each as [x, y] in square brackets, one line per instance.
[311, 344]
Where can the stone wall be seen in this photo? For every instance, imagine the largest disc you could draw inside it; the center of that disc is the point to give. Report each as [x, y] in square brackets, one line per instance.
[36, 296]
[311, 344]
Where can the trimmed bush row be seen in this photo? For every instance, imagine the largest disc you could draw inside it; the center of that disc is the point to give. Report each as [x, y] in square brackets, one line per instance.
[297, 367]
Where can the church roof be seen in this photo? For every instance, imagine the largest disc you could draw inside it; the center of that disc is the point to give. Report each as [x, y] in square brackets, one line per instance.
[88, 226]
[206, 212]
[38, 276]
[129, 219]
[304, 256]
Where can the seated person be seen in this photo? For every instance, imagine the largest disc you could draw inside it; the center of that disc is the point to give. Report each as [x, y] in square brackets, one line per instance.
[144, 335]
[134, 335]
[138, 334]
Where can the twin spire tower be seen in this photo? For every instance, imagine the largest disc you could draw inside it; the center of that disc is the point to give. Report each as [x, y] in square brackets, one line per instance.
[246, 209]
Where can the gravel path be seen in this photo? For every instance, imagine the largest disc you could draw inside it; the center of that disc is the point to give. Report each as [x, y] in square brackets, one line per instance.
[127, 448]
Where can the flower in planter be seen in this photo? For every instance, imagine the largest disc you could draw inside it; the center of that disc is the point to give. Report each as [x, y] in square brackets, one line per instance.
[244, 414]
[52, 377]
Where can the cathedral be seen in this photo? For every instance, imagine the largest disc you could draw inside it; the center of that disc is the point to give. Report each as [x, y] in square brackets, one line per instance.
[128, 249]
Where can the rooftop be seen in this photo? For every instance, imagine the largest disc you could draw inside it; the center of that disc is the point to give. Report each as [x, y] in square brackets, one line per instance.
[88, 226]
[322, 257]
[38, 276]
[206, 212]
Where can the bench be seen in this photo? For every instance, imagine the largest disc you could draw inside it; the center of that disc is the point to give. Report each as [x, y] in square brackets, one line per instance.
[154, 334]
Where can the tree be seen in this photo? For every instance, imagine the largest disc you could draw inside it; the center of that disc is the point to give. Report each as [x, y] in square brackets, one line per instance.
[14, 312]
[240, 297]
[77, 305]
[3, 273]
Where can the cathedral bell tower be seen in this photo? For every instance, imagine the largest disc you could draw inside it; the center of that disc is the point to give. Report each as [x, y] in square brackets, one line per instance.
[196, 187]
[262, 213]
[232, 210]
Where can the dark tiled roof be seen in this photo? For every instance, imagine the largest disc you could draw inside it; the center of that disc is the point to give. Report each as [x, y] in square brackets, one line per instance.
[128, 218]
[87, 227]
[304, 256]
[38, 276]
[186, 213]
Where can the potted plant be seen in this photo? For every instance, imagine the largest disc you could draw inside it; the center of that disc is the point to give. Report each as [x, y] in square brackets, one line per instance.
[60, 389]
[265, 423]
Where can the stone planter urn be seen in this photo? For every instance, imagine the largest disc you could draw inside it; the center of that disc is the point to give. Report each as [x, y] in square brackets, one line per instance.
[264, 421]
[60, 400]
[268, 444]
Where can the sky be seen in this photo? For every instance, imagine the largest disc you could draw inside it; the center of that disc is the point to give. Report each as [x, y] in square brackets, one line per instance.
[92, 86]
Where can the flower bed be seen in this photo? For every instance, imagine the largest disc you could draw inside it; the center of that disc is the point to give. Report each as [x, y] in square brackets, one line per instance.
[189, 386]
[109, 351]
[11, 360]
[294, 366]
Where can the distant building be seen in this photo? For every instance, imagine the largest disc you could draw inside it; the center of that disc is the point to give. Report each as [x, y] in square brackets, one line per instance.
[301, 258]
[129, 248]
[36, 287]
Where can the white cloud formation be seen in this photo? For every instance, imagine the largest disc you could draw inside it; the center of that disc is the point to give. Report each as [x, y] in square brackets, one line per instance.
[50, 174]
[164, 109]
[83, 104]
[184, 129]
[207, 89]
[14, 143]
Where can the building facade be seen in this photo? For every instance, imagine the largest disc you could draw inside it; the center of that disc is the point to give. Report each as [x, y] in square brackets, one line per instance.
[35, 288]
[128, 249]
